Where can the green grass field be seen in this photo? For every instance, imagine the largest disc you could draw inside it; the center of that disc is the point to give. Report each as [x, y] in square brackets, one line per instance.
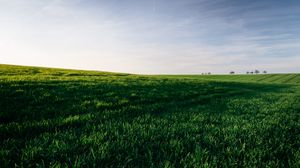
[71, 118]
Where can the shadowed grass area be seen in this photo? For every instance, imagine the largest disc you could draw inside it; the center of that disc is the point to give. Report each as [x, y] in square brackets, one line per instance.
[67, 118]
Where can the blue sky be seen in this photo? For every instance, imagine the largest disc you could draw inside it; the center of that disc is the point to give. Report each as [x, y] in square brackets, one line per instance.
[152, 36]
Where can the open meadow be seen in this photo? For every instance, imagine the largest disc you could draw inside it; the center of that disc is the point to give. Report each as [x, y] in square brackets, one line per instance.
[71, 118]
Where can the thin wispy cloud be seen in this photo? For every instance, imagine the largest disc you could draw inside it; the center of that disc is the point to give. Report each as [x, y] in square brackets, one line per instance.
[159, 36]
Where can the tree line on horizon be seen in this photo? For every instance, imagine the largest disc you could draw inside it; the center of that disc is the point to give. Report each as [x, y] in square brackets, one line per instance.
[232, 72]
[251, 72]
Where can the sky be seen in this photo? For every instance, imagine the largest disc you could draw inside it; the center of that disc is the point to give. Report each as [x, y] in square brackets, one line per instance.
[152, 36]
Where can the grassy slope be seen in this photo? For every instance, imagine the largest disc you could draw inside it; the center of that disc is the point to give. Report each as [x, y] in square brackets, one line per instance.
[261, 78]
[56, 117]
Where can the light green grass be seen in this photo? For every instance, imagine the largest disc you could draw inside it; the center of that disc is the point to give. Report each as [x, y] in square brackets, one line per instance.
[67, 118]
[261, 78]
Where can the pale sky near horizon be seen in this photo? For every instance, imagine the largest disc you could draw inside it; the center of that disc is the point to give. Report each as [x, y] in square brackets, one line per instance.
[152, 36]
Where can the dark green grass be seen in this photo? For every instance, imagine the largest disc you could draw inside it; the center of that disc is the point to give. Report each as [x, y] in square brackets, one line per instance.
[66, 118]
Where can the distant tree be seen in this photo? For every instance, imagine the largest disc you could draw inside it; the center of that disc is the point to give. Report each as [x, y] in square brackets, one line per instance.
[232, 72]
[247, 72]
[251, 72]
[264, 71]
[208, 73]
[256, 71]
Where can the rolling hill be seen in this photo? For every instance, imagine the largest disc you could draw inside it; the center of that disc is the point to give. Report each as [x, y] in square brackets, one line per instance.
[71, 118]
